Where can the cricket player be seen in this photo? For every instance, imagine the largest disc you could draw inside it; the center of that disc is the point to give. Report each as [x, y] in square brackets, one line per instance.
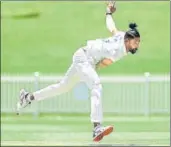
[86, 60]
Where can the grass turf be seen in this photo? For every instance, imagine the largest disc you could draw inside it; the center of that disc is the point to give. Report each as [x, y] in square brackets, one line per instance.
[46, 43]
[76, 129]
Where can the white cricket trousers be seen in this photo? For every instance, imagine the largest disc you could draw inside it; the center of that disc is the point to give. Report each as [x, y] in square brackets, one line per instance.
[80, 70]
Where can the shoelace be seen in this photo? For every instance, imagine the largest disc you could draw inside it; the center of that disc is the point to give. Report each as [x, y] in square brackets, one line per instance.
[97, 130]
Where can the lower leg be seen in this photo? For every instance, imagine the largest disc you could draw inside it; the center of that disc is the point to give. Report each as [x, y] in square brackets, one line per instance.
[50, 91]
[96, 105]
[68, 81]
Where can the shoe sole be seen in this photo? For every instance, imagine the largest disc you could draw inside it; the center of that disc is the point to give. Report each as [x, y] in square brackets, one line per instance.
[21, 97]
[104, 133]
[20, 101]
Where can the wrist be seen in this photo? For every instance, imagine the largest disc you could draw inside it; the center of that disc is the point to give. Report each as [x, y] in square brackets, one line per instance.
[108, 11]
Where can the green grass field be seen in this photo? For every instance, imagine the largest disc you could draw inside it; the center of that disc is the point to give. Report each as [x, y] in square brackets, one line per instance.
[46, 43]
[65, 129]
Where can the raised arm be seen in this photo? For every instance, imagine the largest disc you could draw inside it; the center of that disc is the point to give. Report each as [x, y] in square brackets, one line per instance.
[110, 24]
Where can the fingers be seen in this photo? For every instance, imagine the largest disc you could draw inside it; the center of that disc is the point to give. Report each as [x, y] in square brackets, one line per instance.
[111, 3]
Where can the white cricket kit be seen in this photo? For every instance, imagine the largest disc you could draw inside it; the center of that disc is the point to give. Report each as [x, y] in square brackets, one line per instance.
[111, 48]
[83, 69]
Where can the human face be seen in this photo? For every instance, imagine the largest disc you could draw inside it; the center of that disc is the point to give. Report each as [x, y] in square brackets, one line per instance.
[134, 45]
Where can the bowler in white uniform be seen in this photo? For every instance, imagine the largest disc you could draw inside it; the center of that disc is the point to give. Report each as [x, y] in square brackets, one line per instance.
[86, 60]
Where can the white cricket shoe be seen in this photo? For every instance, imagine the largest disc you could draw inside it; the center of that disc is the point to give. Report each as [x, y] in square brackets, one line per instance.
[23, 101]
[99, 132]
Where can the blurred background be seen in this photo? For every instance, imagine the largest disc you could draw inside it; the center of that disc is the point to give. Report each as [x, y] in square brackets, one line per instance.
[38, 40]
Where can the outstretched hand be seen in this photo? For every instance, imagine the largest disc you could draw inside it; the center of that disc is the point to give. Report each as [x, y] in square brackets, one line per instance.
[111, 6]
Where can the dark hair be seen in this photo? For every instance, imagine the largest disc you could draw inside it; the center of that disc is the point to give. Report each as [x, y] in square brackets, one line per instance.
[132, 32]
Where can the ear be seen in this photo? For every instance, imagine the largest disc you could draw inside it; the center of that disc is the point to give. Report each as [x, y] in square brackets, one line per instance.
[127, 40]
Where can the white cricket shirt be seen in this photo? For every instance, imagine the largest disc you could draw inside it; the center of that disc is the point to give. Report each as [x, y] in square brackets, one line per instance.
[112, 48]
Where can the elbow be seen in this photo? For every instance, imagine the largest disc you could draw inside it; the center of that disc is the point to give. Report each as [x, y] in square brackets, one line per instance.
[114, 32]
[107, 61]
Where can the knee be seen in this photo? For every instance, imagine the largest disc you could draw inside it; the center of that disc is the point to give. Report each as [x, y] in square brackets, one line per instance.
[60, 85]
[97, 89]
[97, 85]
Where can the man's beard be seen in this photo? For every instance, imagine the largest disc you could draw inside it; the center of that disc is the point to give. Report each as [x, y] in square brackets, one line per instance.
[133, 51]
